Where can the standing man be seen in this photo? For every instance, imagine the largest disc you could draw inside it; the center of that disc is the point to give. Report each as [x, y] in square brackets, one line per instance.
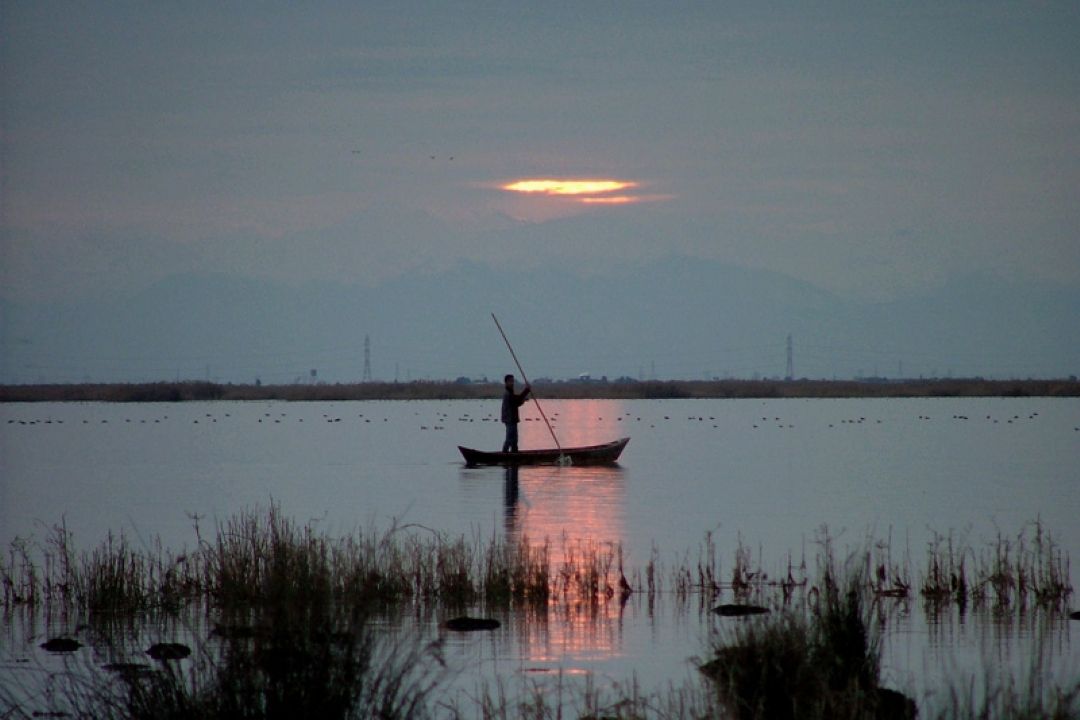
[510, 403]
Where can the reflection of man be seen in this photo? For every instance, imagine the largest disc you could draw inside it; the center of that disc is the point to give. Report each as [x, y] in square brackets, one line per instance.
[510, 501]
[510, 403]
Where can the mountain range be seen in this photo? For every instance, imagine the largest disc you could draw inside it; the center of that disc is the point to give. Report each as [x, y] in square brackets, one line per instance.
[673, 318]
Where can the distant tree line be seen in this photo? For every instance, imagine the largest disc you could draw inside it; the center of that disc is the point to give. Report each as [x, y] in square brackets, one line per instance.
[456, 390]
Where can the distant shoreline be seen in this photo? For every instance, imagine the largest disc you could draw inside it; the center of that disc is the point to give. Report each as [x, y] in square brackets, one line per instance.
[644, 390]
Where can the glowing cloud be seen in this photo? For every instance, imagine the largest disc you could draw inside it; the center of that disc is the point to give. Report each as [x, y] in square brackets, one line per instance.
[610, 200]
[547, 198]
[551, 186]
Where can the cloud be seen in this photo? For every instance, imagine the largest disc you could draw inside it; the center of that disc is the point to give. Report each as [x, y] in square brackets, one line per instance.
[584, 191]
[568, 186]
[625, 199]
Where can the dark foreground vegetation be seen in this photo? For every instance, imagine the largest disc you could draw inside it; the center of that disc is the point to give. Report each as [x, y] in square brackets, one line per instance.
[266, 618]
[461, 390]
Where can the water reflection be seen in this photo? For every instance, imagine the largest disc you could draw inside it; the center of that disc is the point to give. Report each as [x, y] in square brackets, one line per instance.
[909, 471]
[576, 516]
[556, 504]
[510, 501]
[575, 423]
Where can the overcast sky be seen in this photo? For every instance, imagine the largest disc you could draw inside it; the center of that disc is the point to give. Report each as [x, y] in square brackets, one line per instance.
[872, 148]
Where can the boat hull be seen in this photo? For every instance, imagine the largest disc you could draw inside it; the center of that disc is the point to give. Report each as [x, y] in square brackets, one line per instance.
[604, 454]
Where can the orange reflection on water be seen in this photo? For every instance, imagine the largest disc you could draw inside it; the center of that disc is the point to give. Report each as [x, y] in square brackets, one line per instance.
[575, 422]
[578, 514]
[550, 504]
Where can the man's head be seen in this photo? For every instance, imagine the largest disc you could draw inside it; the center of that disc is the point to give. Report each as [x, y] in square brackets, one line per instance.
[508, 381]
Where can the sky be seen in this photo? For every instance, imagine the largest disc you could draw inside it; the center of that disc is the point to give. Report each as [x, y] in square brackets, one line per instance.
[872, 149]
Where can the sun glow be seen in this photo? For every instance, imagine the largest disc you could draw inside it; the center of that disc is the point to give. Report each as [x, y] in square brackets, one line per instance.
[537, 199]
[563, 187]
[610, 200]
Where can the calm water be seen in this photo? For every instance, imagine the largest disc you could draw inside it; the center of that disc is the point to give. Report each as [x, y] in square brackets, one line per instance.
[768, 474]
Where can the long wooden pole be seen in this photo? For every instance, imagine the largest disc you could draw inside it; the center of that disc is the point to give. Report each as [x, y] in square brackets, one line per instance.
[525, 379]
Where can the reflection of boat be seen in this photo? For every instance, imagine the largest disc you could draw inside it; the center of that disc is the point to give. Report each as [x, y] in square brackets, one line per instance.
[605, 454]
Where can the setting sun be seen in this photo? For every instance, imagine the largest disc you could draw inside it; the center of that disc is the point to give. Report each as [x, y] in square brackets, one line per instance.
[551, 186]
[545, 198]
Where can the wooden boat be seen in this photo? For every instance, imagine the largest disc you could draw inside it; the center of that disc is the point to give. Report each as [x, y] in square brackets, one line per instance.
[604, 454]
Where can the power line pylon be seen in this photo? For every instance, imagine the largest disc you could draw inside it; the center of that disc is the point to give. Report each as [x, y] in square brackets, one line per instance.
[790, 373]
[367, 359]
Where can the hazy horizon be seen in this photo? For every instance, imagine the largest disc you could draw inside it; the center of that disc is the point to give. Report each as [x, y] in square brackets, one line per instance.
[678, 318]
[866, 158]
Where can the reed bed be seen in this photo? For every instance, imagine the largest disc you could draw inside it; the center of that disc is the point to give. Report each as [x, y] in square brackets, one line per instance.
[1012, 572]
[338, 668]
[825, 662]
[619, 389]
[294, 656]
[258, 557]
[1004, 697]
[115, 576]
[293, 634]
[821, 664]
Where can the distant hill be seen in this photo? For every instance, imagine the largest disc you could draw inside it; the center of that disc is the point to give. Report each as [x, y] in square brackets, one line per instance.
[674, 319]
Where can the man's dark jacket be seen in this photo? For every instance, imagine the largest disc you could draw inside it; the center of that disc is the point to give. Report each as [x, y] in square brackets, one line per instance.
[510, 404]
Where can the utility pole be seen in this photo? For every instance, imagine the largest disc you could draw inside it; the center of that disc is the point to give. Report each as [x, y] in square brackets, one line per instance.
[367, 359]
[790, 372]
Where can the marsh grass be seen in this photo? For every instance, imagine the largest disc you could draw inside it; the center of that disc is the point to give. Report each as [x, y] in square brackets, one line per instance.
[258, 558]
[113, 577]
[306, 658]
[704, 576]
[946, 572]
[1029, 568]
[314, 665]
[1004, 697]
[292, 608]
[446, 390]
[823, 659]
[561, 698]
[518, 573]
[19, 575]
[821, 662]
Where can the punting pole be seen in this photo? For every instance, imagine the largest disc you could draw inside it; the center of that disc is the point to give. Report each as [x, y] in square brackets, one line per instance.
[563, 459]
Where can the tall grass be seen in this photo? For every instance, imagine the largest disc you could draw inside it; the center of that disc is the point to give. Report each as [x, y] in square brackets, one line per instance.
[824, 663]
[823, 660]
[1029, 568]
[257, 558]
[1004, 697]
[312, 663]
[113, 577]
[293, 636]
[292, 655]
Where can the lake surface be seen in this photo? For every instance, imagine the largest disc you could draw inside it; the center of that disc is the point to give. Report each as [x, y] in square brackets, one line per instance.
[768, 475]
